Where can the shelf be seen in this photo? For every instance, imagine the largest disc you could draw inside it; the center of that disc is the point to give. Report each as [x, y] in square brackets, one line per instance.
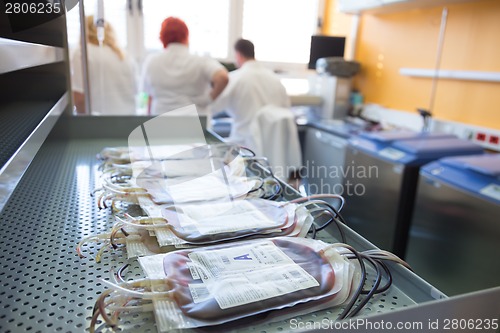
[389, 6]
[452, 74]
[34, 28]
[51, 210]
[21, 140]
[32, 55]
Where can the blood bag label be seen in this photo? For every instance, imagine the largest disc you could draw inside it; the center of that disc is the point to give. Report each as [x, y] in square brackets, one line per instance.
[218, 210]
[392, 154]
[226, 217]
[246, 274]
[199, 292]
[258, 285]
[218, 263]
[492, 191]
[193, 271]
[253, 286]
[232, 223]
[209, 187]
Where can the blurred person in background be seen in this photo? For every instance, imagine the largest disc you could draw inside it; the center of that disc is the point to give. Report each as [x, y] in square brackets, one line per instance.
[175, 78]
[112, 75]
[251, 87]
[262, 119]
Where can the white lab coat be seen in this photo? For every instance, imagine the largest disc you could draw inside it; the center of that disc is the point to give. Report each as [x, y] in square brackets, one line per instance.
[276, 137]
[174, 78]
[250, 88]
[112, 80]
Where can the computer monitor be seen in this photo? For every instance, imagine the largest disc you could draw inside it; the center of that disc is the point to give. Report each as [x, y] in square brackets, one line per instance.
[325, 46]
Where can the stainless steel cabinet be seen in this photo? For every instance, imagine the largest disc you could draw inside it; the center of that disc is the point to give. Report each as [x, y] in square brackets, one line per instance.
[374, 203]
[454, 240]
[324, 159]
[383, 182]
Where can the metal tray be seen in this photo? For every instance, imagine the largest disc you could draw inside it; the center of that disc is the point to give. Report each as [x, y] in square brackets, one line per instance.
[46, 287]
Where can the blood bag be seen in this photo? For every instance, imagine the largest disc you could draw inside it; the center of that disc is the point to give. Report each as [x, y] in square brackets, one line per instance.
[187, 168]
[165, 152]
[211, 222]
[208, 221]
[181, 174]
[217, 284]
[210, 187]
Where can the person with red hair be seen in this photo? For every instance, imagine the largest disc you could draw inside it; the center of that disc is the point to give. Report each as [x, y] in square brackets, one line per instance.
[175, 78]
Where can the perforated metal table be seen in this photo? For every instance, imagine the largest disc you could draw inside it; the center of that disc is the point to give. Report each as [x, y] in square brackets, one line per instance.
[46, 287]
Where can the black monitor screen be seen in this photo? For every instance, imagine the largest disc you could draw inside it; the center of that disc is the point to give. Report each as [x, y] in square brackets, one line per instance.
[325, 46]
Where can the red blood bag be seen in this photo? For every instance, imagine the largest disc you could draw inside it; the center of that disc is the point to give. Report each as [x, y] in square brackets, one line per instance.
[217, 284]
[208, 223]
[234, 219]
[210, 187]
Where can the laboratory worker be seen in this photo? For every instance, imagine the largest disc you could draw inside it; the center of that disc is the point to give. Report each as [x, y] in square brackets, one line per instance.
[251, 87]
[175, 78]
[112, 75]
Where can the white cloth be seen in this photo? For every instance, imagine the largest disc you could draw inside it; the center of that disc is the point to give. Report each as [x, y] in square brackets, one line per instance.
[276, 137]
[174, 78]
[250, 88]
[112, 80]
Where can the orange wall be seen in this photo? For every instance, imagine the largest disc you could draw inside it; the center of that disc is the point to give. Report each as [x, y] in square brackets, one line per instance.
[337, 24]
[388, 42]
